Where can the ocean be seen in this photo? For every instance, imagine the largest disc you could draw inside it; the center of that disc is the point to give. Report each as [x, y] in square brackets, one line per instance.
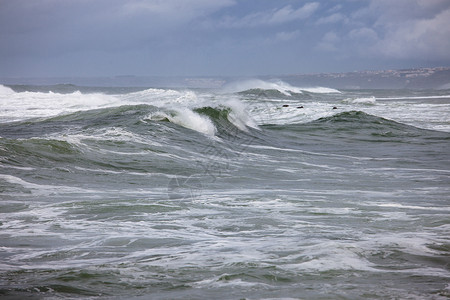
[256, 190]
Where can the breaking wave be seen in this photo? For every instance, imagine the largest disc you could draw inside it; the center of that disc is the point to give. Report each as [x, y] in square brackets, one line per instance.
[283, 88]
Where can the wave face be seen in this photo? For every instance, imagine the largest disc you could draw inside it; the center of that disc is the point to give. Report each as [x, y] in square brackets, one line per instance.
[258, 190]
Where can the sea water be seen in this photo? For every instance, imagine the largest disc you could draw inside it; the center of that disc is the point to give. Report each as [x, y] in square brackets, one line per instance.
[257, 190]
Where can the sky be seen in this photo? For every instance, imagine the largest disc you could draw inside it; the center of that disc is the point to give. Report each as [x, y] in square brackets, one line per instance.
[49, 38]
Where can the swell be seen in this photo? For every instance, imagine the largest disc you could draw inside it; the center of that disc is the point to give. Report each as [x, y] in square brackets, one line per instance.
[134, 117]
[104, 117]
[358, 124]
[356, 121]
[358, 134]
[121, 138]
[145, 138]
[275, 94]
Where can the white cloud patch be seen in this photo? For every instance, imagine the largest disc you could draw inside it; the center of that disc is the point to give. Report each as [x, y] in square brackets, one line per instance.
[335, 8]
[398, 11]
[287, 13]
[403, 29]
[272, 17]
[334, 18]
[418, 38]
[174, 8]
[329, 42]
[287, 36]
[364, 34]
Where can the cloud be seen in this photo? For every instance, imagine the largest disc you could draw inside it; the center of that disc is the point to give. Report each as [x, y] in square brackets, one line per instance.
[272, 17]
[404, 10]
[334, 18]
[53, 26]
[20, 16]
[402, 30]
[335, 8]
[329, 42]
[416, 38]
[287, 13]
[287, 36]
[363, 34]
[173, 9]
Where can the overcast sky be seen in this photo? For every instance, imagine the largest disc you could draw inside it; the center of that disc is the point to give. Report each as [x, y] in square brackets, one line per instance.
[45, 38]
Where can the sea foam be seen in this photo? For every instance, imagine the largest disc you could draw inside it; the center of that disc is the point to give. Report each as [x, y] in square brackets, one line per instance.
[239, 116]
[281, 86]
[4, 90]
[189, 119]
[363, 100]
[26, 105]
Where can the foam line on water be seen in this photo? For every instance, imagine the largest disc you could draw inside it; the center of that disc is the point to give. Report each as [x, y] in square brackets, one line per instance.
[43, 189]
[415, 97]
[415, 207]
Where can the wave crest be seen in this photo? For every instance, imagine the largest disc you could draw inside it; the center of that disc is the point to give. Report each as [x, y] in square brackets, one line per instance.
[282, 87]
[189, 119]
[4, 90]
[364, 100]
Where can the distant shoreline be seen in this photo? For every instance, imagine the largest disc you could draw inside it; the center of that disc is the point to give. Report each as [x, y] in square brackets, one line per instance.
[418, 78]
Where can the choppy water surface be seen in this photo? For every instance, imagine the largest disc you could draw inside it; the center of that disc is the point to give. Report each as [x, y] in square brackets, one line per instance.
[258, 190]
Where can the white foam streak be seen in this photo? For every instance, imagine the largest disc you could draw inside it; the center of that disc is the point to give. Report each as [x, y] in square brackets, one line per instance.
[43, 189]
[416, 207]
[416, 98]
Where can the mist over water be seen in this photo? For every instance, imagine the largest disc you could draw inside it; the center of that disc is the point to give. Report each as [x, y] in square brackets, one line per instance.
[258, 190]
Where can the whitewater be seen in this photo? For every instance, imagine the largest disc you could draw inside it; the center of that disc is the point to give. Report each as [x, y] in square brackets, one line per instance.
[256, 190]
